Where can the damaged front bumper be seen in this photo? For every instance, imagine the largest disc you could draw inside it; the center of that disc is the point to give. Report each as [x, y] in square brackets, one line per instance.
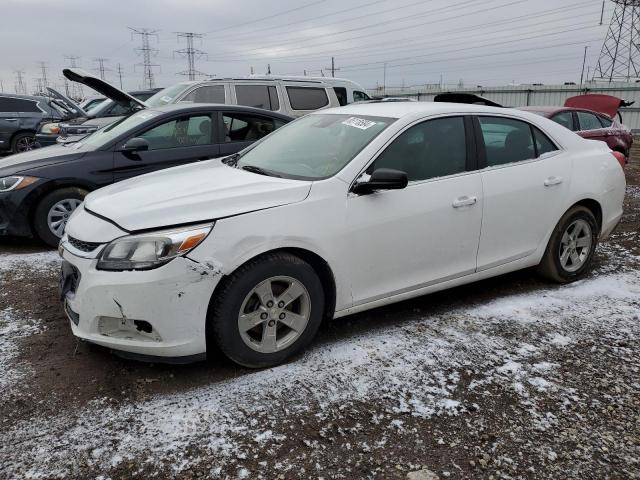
[154, 313]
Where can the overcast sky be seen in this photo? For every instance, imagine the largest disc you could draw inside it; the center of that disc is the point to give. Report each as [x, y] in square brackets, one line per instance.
[481, 42]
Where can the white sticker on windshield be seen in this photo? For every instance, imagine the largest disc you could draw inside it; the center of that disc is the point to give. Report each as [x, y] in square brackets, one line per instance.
[360, 123]
[145, 116]
[165, 99]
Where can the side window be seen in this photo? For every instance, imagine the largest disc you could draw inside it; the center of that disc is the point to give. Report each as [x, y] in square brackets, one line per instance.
[543, 144]
[181, 132]
[506, 140]
[245, 128]
[606, 122]
[307, 98]
[588, 121]
[207, 94]
[434, 148]
[341, 93]
[258, 96]
[360, 96]
[10, 104]
[565, 119]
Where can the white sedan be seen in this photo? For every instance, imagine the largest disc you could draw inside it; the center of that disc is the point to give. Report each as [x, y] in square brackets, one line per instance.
[338, 212]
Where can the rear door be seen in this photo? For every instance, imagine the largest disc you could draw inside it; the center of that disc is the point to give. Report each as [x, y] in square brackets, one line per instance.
[9, 121]
[589, 126]
[525, 179]
[172, 141]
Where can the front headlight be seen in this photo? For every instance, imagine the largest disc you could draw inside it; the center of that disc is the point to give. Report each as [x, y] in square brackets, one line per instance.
[50, 128]
[15, 183]
[151, 250]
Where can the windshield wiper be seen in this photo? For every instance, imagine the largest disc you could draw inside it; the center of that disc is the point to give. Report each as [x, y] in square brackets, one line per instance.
[258, 170]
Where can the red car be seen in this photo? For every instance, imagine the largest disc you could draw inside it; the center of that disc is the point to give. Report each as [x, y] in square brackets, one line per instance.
[593, 117]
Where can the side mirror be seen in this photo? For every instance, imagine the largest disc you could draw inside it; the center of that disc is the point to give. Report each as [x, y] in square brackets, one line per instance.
[382, 179]
[136, 144]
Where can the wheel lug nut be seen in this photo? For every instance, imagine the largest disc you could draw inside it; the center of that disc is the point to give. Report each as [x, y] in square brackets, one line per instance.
[281, 304]
[271, 323]
[282, 315]
[269, 304]
[263, 316]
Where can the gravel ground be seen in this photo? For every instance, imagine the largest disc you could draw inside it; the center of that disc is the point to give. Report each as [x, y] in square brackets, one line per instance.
[506, 378]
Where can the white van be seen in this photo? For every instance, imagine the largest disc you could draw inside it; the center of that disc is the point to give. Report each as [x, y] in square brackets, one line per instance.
[293, 96]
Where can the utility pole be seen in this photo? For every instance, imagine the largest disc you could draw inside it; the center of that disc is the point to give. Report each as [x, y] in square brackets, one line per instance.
[384, 79]
[191, 54]
[21, 86]
[147, 52]
[101, 68]
[251, 70]
[333, 67]
[584, 62]
[43, 72]
[120, 75]
[268, 69]
[602, 12]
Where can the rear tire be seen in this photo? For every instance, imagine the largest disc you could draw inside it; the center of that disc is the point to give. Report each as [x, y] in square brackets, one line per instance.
[23, 142]
[53, 211]
[254, 318]
[570, 250]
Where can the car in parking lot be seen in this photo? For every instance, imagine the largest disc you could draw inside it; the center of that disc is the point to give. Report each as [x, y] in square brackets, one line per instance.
[41, 188]
[592, 117]
[20, 116]
[341, 211]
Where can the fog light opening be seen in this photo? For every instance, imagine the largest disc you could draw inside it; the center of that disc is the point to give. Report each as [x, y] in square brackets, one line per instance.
[143, 326]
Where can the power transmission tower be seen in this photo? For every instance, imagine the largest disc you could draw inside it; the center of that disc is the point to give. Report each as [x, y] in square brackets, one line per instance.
[101, 68]
[620, 57]
[332, 67]
[43, 71]
[120, 75]
[39, 86]
[147, 52]
[76, 89]
[191, 54]
[21, 86]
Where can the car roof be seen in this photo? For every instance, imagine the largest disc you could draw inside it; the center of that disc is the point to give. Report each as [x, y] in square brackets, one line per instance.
[402, 109]
[198, 107]
[549, 110]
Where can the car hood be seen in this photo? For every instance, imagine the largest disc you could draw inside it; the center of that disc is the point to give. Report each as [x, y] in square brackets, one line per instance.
[40, 157]
[607, 104]
[100, 86]
[193, 193]
[66, 101]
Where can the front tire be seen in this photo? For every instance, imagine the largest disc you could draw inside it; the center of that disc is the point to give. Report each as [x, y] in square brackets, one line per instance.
[267, 310]
[53, 211]
[23, 142]
[570, 250]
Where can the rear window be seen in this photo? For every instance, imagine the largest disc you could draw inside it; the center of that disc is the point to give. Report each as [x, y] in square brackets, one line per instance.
[206, 94]
[588, 121]
[606, 122]
[9, 104]
[258, 96]
[341, 93]
[307, 98]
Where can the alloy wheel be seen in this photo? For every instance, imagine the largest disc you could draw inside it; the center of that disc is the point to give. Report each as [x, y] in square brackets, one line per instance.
[59, 214]
[575, 245]
[24, 144]
[274, 314]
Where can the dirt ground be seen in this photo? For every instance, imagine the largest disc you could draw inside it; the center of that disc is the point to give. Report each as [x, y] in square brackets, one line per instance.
[505, 378]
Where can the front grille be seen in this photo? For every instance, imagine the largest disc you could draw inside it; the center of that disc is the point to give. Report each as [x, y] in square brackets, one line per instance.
[83, 246]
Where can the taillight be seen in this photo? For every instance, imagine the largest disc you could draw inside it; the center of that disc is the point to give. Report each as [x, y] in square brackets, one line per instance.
[622, 160]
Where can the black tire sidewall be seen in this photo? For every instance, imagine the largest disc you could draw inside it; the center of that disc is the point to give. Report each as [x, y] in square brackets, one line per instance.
[579, 213]
[224, 320]
[40, 224]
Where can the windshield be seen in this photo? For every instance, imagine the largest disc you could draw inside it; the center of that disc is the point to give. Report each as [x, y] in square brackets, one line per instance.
[100, 138]
[315, 146]
[167, 95]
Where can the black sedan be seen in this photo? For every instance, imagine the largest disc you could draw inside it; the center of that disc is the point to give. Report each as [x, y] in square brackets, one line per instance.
[39, 189]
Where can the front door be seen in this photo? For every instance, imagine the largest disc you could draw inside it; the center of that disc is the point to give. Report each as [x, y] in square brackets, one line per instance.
[427, 233]
[176, 141]
[525, 184]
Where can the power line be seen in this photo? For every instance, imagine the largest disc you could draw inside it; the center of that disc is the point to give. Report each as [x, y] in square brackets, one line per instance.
[191, 54]
[147, 52]
[285, 12]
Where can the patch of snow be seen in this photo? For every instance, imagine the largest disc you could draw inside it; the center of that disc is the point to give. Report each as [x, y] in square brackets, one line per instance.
[12, 328]
[33, 262]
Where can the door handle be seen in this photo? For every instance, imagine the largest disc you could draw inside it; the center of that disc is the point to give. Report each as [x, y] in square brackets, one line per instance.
[464, 201]
[11, 119]
[551, 181]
